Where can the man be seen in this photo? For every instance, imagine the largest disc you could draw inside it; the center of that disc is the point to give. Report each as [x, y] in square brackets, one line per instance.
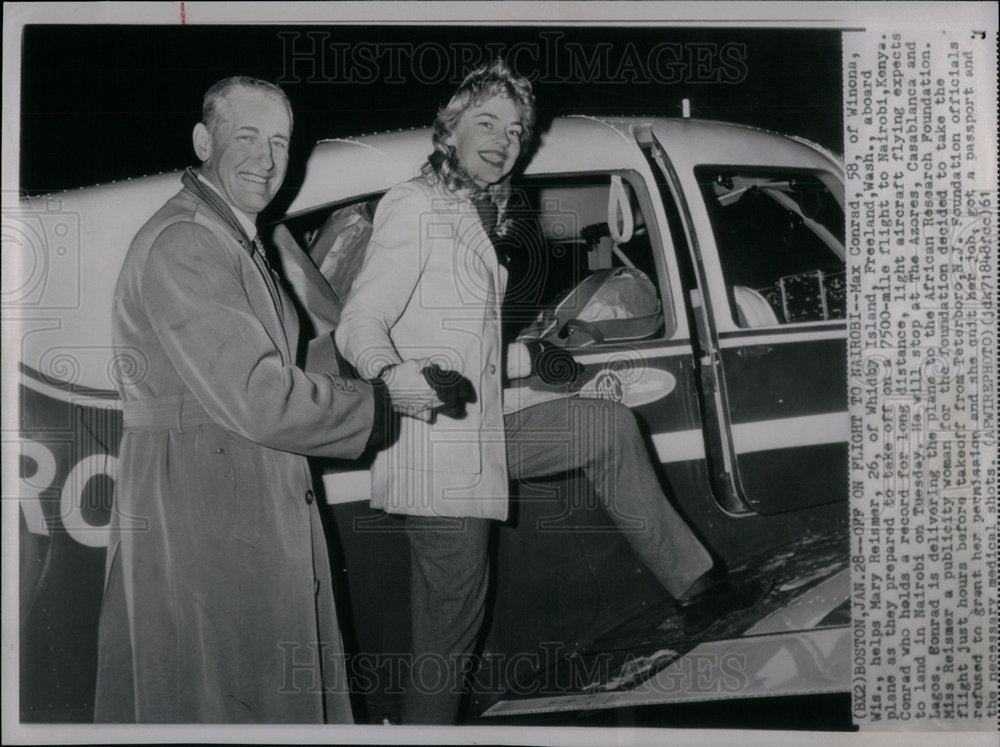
[218, 603]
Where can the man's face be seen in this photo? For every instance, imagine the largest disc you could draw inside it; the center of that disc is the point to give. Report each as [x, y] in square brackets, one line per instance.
[487, 139]
[247, 154]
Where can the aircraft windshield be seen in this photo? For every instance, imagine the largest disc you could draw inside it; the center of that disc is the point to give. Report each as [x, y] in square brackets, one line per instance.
[780, 238]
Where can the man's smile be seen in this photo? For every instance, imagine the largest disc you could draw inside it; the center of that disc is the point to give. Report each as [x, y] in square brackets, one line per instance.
[253, 178]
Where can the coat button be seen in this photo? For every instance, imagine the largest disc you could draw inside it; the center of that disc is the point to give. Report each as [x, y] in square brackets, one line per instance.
[309, 497]
[493, 369]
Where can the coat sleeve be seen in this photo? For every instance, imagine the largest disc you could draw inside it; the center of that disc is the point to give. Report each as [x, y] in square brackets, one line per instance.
[394, 261]
[200, 311]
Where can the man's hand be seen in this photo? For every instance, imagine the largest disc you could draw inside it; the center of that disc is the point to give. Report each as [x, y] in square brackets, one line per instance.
[408, 388]
[552, 364]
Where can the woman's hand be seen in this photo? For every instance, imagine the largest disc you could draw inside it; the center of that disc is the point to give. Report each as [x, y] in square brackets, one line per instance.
[452, 388]
[552, 364]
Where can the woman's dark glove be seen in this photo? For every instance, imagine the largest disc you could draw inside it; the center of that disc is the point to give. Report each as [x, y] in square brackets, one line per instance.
[451, 388]
[552, 364]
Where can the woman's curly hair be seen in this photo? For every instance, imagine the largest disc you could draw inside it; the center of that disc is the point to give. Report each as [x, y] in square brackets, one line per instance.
[480, 85]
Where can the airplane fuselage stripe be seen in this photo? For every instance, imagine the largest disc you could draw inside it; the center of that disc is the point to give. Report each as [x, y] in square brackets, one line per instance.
[764, 435]
[808, 430]
[110, 401]
[675, 446]
[678, 446]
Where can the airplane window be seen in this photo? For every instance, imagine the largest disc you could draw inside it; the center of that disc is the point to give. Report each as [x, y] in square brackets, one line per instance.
[780, 238]
[574, 279]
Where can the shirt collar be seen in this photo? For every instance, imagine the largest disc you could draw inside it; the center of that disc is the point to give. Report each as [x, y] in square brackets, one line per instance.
[248, 225]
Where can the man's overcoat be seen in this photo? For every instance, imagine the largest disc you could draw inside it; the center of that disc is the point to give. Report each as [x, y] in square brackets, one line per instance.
[218, 604]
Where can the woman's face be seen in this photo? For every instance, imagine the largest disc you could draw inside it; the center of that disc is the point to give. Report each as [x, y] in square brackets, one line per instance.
[487, 139]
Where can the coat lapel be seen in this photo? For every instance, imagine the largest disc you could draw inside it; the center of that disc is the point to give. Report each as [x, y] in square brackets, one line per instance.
[217, 206]
[318, 299]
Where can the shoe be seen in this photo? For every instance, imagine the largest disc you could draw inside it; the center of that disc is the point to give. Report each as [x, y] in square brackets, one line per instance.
[719, 600]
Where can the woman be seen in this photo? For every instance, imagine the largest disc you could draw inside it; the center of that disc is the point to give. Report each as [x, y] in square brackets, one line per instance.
[431, 287]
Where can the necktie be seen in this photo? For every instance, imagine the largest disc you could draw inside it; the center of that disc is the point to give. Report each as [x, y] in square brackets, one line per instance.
[258, 247]
[260, 256]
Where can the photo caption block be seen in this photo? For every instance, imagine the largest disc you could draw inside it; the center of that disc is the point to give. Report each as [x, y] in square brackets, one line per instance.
[921, 205]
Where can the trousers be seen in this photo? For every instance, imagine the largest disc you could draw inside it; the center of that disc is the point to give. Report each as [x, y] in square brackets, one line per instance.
[449, 566]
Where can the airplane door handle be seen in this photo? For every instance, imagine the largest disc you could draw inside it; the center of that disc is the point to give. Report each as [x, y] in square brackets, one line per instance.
[754, 351]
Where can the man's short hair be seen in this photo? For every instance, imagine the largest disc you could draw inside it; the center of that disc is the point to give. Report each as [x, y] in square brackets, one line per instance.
[211, 108]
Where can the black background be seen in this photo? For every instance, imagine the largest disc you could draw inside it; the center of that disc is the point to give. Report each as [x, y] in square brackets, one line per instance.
[102, 103]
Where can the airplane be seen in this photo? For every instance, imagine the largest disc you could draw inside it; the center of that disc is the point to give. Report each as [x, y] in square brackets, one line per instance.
[735, 368]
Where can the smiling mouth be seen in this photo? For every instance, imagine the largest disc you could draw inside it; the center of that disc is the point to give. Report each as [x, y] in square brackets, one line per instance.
[493, 157]
[253, 178]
